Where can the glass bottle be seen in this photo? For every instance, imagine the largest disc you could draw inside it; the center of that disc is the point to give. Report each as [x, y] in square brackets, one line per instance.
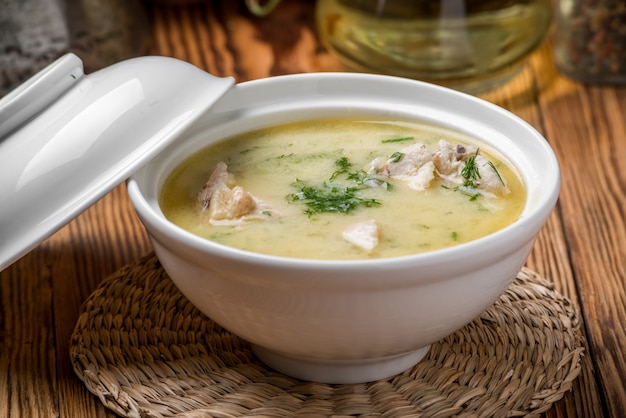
[590, 40]
[470, 45]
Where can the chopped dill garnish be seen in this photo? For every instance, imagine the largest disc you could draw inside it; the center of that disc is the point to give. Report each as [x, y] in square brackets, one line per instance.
[330, 198]
[469, 191]
[403, 139]
[396, 156]
[454, 235]
[471, 174]
[343, 165]
[361, 177]
[470, 171]
[497, 172]
[466, 190]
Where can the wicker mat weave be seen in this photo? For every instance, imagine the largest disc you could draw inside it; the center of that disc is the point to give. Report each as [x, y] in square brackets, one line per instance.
[145, 351]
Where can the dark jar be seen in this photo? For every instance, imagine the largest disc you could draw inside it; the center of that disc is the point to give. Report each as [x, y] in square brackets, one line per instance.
[590, 40]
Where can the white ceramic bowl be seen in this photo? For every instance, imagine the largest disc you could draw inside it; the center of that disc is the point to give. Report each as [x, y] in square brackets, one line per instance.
[348, 321]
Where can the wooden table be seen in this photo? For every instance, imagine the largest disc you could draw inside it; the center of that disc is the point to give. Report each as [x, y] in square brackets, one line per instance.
[582, 249]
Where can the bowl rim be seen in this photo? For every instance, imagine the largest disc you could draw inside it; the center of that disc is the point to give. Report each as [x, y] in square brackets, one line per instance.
[526, 226]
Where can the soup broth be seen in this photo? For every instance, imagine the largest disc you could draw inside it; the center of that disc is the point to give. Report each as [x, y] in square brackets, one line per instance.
[299, 171]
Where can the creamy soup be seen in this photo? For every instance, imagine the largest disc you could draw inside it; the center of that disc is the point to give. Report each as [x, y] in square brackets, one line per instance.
[344, 189]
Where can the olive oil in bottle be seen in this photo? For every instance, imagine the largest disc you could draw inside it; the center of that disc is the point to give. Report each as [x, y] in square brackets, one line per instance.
[470, 45]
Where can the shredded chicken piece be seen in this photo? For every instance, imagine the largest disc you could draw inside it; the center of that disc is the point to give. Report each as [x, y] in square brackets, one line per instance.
[220, 178]
[419, 166]
[413, 164]
[490, 181]
[225, 203]
[450, 161]
[363, 234]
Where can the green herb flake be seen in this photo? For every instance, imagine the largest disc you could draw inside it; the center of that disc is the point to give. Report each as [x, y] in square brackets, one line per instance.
[402, 139]
[361, 177]
[454, 235]
[492, 165]
[469, 191]
[474, 196]
[248, 150]
[396, 156]
[343, 165]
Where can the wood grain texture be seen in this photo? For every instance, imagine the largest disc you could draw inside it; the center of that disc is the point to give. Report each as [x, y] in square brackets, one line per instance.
[582, 248]
[586, 126]
[550, 257]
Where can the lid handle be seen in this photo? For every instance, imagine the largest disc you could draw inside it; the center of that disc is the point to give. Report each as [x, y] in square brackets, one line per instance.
[38, 92]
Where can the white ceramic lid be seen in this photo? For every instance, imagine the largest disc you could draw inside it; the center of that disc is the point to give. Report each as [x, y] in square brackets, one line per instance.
[67, 139]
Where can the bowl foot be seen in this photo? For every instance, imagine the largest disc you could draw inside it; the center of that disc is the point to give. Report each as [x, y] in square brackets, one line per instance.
[339, 371]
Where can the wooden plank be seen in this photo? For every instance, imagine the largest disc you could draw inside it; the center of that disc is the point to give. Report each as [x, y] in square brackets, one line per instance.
[586, 127]
[27, 360]
[550, 257]
[100, 241]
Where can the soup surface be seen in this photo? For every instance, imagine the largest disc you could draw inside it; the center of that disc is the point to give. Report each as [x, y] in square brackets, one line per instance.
[344, 189]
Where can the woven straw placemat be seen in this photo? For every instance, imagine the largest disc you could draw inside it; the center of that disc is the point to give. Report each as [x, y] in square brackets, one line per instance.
[145, 351]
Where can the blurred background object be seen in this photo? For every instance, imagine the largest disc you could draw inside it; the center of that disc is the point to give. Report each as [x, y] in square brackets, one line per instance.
[590, 40]
[261, 8]
[33, 33]
[470, 45]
